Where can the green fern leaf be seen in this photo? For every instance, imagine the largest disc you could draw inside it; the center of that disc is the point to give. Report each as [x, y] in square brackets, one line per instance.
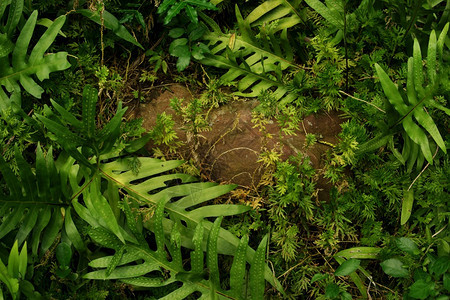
[237, 273]
[132, 222]
[407, 204]
[3, 6]
[284, 13]
[110, 22]
[33, 206]
[250, 62]
[331, 15]
[421, 116]
[90, 98]
[173, 205]
[173, 11]
[6, 46]
[100, 208]
[412, 129]
[212, 255]
[28, 225]
[68, 117]
[197, 254]
[432, 58]
[52, 230]
[22, 67]
[15, 12]
[416, 146]
[43, 220]
[257, 282]
[115, 261]
[329, 12]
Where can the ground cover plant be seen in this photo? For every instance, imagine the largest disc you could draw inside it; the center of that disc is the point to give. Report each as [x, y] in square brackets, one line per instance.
[98, 204]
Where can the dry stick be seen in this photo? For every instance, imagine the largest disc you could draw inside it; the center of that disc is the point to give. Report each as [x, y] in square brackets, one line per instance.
[326, 261]
[234, 149]
[368, 291]
[383, 286]
[367, 102]
[303, 124]
[292, 268]
[423, 170]
[273, 269]
[235, 124]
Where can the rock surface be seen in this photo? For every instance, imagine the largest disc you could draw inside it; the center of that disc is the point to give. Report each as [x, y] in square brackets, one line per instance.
[229, 152]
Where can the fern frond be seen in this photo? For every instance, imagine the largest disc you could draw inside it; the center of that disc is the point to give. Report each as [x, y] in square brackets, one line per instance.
[255, 65]
[33, 208]
[137, 261]
[20, 69]
[284, 13]
[416, 122]
[85, 136]
[332, 11]
[185, 204]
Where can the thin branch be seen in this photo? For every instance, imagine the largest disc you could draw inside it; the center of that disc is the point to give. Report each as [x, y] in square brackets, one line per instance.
[367, 102]
[439, 231]
[423, 170]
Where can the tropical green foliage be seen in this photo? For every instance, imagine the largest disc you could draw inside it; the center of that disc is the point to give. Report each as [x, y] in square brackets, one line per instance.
[17, 64]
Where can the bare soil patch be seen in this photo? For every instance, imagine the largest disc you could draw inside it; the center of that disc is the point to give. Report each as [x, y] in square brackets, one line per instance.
[229, 152]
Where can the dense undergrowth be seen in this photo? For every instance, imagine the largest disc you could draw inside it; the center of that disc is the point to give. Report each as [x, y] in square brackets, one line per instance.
[86, 212]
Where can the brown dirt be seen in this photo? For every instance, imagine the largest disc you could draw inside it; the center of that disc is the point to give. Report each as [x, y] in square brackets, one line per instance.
[229, 152]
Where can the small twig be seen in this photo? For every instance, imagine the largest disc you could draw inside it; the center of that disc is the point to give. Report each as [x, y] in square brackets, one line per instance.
[423, 170]
[235, 124]
[230, 150]
[128, 65]
[368, 291]
[383, 286]
[157, 42]
[326, 261]
[292, 268]
[367, 77]
[439, 231]
[367, 102]
[304, 128]
[157, 86]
